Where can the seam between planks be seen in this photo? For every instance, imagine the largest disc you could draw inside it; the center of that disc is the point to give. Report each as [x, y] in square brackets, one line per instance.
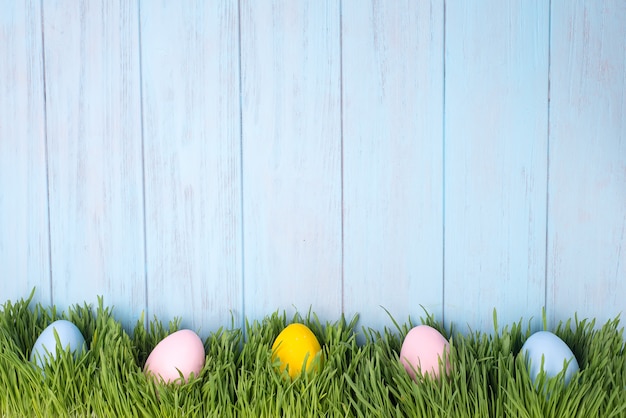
[547, 214]
[46, 156]
[143, 168]
[241, 182]
[443, 172]
[341, 135]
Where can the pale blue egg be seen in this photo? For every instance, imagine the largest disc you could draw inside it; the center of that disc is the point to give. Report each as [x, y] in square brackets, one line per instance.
[45, 347]
[555, 354]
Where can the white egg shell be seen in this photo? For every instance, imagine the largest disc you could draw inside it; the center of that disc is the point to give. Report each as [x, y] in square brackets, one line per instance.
[45, 347]
[422, 349]
[181, 351]
[555, 353]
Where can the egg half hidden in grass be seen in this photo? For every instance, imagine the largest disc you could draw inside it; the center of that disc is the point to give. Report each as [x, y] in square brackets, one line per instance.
[179, 353]
[546, 348]
[295, 345]
[422, 350]
[45, 348]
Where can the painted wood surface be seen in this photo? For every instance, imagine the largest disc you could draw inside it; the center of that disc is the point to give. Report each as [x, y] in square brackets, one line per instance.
[192, 151]
[94, 153]
[224, 160]
[291, 147]
[392, 159]
[495, 160]
[24, 241]
[587, 186]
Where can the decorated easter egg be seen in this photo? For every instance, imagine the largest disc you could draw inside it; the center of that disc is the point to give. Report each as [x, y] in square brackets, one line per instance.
[546, 347]
[293, 346]
[179, 353]
[422, 349]
[45, 347]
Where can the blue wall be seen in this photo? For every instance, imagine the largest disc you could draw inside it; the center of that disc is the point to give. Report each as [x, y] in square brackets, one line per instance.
[223, 160]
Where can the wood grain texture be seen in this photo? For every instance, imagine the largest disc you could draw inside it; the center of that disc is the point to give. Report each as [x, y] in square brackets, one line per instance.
[587, 204]
[220, 160]
[24, 240]
[291, 128]
[192, 155]
[94, 150]
[392, 159]
[495, 160]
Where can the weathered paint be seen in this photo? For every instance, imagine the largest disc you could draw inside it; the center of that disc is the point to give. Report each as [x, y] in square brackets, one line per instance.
[93, 131]
[190, 88]
[24, 238]
[291, 139]
[392, 159]
[223, 160]
[587, 186]
[496, 136]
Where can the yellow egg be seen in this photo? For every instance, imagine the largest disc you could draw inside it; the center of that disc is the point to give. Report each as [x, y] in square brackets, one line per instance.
[295, 344]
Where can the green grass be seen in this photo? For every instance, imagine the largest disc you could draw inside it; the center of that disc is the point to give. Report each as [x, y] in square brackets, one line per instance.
[488, 377]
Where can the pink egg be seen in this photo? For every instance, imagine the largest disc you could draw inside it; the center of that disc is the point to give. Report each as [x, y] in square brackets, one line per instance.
[421, 350]
[181, 351]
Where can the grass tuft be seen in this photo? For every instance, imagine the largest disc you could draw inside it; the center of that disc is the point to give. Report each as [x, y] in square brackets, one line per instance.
[488, 377]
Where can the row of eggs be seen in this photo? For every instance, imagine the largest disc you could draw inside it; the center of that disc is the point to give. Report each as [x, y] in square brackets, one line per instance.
[424, 347]
[296, 348]
[181, 352]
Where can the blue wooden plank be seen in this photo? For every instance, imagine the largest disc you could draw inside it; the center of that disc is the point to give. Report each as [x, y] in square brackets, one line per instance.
[94, 154]
[24, 240]
[192, 162]
[291, 133]
[587, 201]
[392, 159]
[495, 160]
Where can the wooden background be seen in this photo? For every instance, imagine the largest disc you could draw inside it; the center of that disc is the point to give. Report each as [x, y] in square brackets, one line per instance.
[221, 160]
